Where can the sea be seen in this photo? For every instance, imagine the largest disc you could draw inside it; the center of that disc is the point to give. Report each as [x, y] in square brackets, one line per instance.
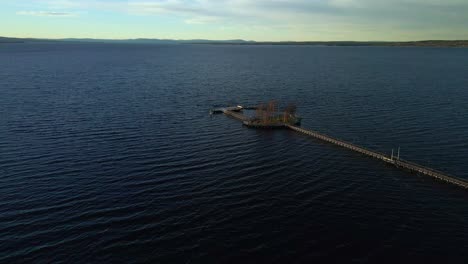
[108, 154]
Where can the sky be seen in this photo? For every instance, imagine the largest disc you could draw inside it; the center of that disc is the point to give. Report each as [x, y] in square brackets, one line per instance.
[260, 20]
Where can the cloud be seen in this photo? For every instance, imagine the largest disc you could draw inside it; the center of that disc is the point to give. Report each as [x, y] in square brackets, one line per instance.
[264, 9]
[335, 18]
[292, 11]
[199, 20]
[46, 14]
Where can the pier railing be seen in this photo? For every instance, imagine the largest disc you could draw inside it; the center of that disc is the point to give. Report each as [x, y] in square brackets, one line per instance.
[397, 162]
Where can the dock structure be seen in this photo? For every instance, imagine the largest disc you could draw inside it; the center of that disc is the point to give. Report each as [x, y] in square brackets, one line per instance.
[388, 159]
[236, 113]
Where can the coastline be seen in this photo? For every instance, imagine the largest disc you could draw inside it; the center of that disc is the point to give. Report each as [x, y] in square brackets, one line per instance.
[422, 43]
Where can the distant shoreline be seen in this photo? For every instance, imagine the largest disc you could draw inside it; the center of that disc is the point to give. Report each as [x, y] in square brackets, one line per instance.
[423, 43]
[438, 43]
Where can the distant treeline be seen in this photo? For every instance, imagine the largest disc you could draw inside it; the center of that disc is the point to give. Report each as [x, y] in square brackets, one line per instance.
[23, 40]
[425, 43]
[10, 40]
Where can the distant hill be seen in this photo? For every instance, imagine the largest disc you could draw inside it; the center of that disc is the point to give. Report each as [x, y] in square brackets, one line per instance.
[149, 41]
[424, 43]
[139, 40]
[10, 40]
[433, 43]
[157, 41]
[24, 40]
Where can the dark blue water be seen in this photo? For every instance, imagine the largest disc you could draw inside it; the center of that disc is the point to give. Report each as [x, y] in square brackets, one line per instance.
[108, 154]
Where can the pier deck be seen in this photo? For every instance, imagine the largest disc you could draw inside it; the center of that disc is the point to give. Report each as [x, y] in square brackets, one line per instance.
[396, 162]
[237, 114]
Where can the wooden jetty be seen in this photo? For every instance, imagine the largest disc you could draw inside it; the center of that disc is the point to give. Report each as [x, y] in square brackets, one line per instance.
[388, 159]
[396, 161]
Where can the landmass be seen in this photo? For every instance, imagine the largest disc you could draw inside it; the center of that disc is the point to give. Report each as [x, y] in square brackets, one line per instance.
[24, 40]
[422, 43]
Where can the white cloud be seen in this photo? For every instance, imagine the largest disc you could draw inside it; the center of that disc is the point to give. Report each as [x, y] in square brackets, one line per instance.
[335, 18]
[202, 20]
[257, 9]
[46, 14]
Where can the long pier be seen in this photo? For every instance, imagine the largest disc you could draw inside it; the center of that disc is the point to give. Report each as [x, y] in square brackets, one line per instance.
[413, 167]
[388, 159]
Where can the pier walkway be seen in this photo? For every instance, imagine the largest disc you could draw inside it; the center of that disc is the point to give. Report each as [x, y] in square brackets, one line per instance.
[236, 112]
[391, 160]
[237, 115]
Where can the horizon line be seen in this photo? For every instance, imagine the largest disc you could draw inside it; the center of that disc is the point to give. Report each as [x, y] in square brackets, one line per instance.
[233, 39]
